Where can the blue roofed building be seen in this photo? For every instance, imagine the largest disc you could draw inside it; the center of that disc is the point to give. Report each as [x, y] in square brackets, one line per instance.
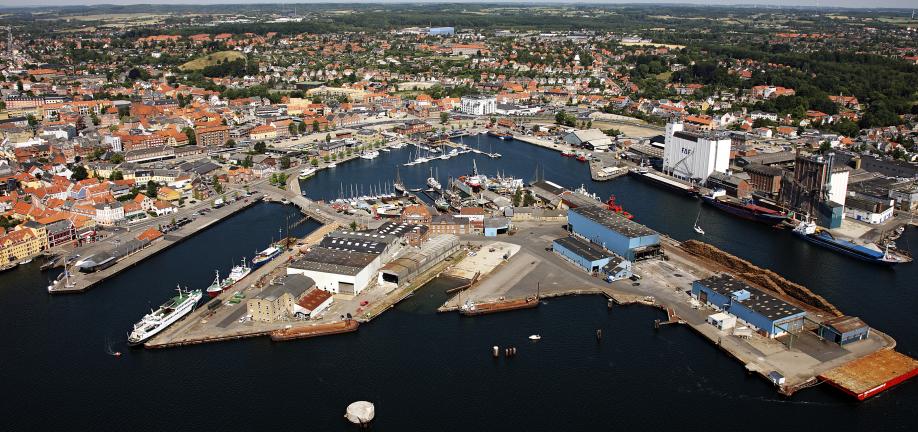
[628, 239]
[592, 258]
[769, 315]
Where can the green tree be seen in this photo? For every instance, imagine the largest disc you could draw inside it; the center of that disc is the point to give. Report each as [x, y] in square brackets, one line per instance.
[79, 173]
[189, 132]
[152, 189]
[230, 143]
[444, 117]
[293, 129]
[285, 162]
[247, 162]
[314, 162]
[328, 138]
[315, 125]
[116, 175]
[116, 158]
[260, 147]
[218, 188]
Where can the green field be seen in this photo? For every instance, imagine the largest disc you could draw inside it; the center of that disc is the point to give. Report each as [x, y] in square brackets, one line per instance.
[212, 59]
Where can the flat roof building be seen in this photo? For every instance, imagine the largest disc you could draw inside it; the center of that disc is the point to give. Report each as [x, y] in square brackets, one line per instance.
[769, 315]
[614, 232]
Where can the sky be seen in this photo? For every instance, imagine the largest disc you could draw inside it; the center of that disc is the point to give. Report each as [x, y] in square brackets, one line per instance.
[842, 3]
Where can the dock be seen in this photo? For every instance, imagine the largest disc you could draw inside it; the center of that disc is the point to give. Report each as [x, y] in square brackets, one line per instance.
[873, 374]
[80, 282]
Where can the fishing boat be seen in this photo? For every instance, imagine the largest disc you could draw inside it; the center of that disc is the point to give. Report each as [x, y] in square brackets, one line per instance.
[216, 287]
[535, 337]
[820, 237]
[265, 256]
[442, 204]
[161, 318]
[236, 274]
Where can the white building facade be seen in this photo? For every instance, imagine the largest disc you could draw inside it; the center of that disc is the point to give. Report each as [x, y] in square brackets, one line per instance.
[694, 157]
[478, 105]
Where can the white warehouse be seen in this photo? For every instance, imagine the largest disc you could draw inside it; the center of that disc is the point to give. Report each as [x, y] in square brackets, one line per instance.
[337, 271]
[693, 157]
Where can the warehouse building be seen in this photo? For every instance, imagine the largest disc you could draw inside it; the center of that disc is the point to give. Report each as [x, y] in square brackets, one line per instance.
[770, 316]
[406, 267]
[592, 258]
[844, 330]
[337, 271]
[628, 239]
[277, 301]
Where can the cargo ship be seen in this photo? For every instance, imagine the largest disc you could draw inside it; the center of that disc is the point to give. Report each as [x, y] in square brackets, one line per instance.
[170, 312]
[820, 237]
[265, 256]
[501, 135]
[660, 180]
[745, 210]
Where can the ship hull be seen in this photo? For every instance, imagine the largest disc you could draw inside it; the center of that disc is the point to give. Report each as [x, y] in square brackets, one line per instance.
[843, 249]
[260, 261]
[179, 313]
[687, 191]
[745, 213]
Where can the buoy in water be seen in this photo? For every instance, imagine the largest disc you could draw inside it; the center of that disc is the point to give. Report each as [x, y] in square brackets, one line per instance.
[360, 413]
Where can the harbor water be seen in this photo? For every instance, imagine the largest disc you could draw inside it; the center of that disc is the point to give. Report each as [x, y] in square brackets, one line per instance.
[429, 371]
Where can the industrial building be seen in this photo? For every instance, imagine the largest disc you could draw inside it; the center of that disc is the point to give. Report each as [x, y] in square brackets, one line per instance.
[818, 188]
[337, 271]
[592, 258]
[414, 262]
[693, 157]
[772, 317]
[844, 330]
[278, 300]
[441, 31]
[628, 239]
[313, 303]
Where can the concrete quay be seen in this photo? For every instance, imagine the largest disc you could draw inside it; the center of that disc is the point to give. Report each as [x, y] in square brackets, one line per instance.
[665, 284]
[80, 282]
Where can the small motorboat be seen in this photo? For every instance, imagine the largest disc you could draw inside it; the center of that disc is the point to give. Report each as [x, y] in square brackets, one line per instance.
[535, 337]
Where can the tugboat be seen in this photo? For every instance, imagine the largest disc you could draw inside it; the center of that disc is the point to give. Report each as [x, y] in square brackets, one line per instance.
[615, 208]
[442, 204]
[170, 312]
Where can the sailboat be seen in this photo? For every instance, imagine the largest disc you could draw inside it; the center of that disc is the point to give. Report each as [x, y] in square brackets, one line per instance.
[399, 186]
[697, 227]
[432, 181]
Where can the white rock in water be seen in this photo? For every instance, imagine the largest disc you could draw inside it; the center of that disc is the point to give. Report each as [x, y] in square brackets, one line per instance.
[360, 412]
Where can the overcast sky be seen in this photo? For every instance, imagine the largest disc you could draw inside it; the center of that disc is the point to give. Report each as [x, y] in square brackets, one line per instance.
[844, 3]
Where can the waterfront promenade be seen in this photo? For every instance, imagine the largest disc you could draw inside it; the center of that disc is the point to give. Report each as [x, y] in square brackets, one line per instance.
[80, 282]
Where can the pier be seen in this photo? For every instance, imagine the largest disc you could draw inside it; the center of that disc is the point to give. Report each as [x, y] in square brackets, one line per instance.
[80, 282]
